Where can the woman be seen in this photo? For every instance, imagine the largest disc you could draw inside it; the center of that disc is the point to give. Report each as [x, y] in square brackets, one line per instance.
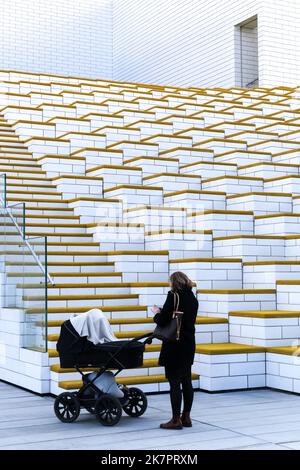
[177, 357]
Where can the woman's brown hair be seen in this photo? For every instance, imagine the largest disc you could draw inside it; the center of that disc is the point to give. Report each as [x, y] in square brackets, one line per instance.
[180, 281]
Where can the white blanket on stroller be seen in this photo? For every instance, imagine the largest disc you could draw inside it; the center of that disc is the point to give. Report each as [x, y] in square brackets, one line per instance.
[93, 325]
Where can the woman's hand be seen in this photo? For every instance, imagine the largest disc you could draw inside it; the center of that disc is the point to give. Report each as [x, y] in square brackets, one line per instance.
[155, 309]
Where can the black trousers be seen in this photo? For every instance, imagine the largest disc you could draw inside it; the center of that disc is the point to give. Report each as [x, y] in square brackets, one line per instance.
[181, 388]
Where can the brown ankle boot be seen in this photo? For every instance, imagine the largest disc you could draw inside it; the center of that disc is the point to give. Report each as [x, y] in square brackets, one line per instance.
[174, 423]
[186, 420]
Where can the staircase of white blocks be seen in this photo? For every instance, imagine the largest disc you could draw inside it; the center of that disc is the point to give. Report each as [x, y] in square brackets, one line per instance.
[129, 183]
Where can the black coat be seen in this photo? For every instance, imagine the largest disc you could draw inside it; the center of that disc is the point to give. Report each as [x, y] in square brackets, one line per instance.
[180, 354]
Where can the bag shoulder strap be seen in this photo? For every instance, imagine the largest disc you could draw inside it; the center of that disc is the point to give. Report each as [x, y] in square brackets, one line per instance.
[176, 301]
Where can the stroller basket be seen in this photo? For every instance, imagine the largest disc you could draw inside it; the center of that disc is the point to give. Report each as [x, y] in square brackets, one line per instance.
[75, 351]
[129, 356]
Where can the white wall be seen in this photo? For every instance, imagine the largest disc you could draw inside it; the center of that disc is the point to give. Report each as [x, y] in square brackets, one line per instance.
[71, 37]
[279, 43]
[180, 42]
[191, 42]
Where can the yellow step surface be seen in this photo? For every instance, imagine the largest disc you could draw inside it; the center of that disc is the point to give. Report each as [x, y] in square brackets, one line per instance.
[118, 334]
[286, 350]
[104, 308]
[89, 274]
[227, 348]
[142, 379]
[237, 291]
[130, 334]
[108, 284]
[133, 321]
[56, 367]
[63, 263]
[66, 274]
[85, 297]
[266, 313]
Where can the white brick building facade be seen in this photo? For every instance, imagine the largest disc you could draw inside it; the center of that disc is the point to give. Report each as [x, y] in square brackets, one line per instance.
[191, 42]
[72, 37]
[179, 42]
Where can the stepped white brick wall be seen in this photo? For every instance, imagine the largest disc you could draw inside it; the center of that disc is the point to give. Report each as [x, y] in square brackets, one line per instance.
[132, 182]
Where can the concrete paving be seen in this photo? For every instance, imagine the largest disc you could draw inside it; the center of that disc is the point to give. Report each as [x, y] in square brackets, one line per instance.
[252, 420]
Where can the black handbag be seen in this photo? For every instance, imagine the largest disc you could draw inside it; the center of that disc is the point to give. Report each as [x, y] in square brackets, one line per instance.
[171, 331]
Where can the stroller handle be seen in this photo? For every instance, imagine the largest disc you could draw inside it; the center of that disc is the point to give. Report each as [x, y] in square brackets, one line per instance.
[149, 337]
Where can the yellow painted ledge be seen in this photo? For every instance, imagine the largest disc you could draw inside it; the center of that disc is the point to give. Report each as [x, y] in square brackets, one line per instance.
[157, 208]
[273, 216]
[238, 291]
[292, 282]
[286, 350]
[176, 175]
[232, 177]
[228, 348]
[206, 260]
[56, 367]
[164, 152]
[209, 163]
[95, 149]
[104, 308]
[104, 284]
[116, 167]
[265, 314]
[271, 263]
[150, 158]
[88, 297]
[194, 191]
[143, 379]
[233, 196]
[258, 237]
[131, 186]
[210, 320]
[225, 212]
[118, 334]
[129, 321]
[183, 231]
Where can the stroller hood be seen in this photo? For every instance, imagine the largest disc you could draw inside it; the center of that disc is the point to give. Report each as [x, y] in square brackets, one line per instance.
[94, 326]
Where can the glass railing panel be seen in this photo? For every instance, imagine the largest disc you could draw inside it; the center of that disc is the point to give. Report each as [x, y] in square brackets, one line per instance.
[23, 275]
[3, 190]
[12, 254]
[3, 256]
[35, 289]
[17, 219]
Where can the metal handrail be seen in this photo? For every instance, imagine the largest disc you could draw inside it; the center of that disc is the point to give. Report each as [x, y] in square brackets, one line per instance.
[26, 242]
[253, 82]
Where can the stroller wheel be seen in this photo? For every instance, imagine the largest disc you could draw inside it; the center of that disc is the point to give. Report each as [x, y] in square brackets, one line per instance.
[108, 410]
[67, 407]
[137, 403]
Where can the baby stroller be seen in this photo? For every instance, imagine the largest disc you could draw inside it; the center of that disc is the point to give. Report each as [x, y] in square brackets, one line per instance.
[100, 394]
